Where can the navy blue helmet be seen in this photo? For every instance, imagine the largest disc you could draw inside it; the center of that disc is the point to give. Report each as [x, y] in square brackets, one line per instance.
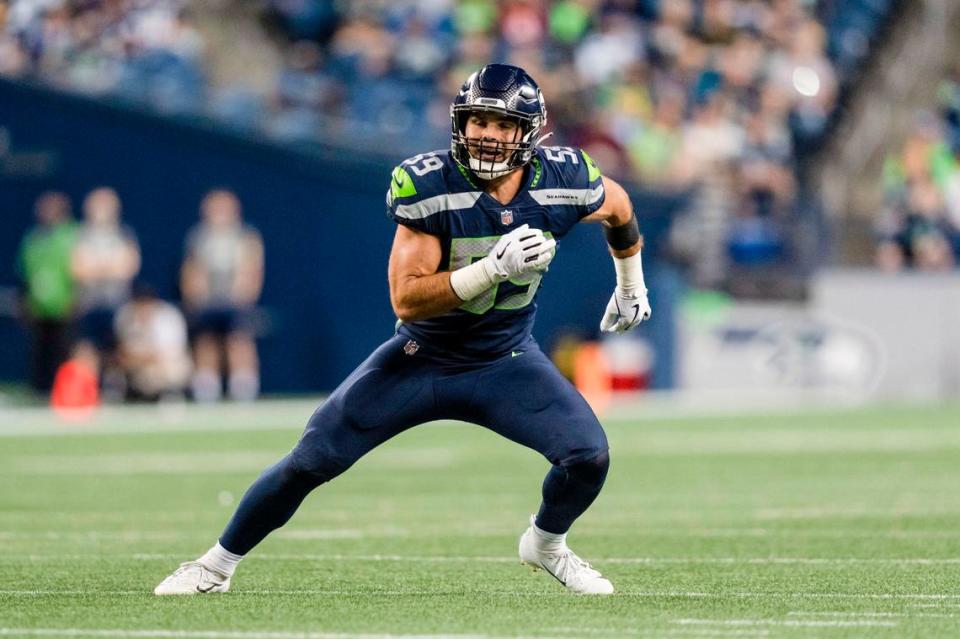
[508, 91]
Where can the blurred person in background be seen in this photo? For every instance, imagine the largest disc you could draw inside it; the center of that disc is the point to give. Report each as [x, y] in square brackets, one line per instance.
[917, 232]
[951, 193]
[47, 288]
[655, 146]
[711, 143]
[220, 281]
[144, 51]
[303, 93]
[919, 227]
[764, 185]
[304, 19]
[152, 347]
[106, 258]
[13, 59]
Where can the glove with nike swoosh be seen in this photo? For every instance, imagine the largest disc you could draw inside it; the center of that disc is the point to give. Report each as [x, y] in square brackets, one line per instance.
[625, 310]
[521, 250]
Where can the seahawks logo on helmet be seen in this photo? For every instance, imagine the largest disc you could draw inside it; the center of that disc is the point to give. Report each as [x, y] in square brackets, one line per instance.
[511, 92]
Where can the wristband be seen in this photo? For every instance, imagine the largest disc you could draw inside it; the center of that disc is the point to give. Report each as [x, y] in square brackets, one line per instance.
[622, 237]
[630, 273]
[469, 281]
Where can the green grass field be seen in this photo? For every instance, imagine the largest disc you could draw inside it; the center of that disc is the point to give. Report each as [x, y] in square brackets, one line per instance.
[842, 523]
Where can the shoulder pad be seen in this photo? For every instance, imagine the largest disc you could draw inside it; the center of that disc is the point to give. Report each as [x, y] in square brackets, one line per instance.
[420, 190]
[419, 177]
[570, 177]
[569, 166]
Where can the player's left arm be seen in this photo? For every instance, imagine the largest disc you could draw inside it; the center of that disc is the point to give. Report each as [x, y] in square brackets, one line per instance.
[628, 306]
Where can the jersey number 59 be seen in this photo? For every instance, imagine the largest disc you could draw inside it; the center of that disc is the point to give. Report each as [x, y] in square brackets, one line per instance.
[424, 163]
[466, 250]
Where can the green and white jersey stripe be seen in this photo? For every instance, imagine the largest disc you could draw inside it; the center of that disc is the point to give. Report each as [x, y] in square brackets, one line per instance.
[567, 197]
[437, 204]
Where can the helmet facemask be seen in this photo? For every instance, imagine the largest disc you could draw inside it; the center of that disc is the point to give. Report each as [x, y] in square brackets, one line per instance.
[507, 92]
[487, 158]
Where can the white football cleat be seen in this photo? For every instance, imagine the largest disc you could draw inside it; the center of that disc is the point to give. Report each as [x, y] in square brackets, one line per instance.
[193, 578]
[573, 572]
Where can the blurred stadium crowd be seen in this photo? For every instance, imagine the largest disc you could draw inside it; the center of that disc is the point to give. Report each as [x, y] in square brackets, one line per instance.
[94, 325]
[728, 96]
[920, 226]
[723, 103]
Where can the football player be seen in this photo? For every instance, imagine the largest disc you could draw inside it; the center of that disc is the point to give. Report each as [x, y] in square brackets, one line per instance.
[476, 229]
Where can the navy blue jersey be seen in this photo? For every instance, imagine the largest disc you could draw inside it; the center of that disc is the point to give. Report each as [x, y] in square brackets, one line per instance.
[433, 194]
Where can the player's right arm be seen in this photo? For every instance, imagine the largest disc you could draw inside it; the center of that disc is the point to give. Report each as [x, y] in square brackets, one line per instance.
[418, 291]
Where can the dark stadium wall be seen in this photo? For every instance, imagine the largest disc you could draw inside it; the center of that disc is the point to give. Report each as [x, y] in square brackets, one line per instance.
[321, 213]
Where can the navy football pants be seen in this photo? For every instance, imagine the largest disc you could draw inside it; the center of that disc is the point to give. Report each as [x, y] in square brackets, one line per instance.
[521, 396]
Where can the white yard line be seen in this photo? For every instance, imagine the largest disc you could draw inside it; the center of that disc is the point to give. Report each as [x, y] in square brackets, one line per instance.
[205, 634]
[789, 623]
[214, 634]
[292, 415]
[261, 416]
[840, 511]
[806, 595]
[203, 463]
[874, 615]
[353, 534]
[218, 634]
[305, 591]
[385, 531]
[378, 532]
[666, 594]
[662, 632]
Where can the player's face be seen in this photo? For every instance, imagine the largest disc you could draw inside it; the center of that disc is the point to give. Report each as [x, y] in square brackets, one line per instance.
[491, 136]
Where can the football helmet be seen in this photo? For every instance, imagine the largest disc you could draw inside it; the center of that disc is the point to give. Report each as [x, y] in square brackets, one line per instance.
[510, 92]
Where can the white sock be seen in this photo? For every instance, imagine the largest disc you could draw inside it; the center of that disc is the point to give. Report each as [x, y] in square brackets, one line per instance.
[221, 560]
[205, 386]
[549, 541]
[244, 385]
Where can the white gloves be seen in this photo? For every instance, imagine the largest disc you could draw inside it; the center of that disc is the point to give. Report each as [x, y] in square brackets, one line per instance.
[625, 310]
[521, 250]
[628, 306]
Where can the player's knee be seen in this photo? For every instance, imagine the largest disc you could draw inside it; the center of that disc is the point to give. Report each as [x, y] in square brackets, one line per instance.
[313, 467]
[591, 471]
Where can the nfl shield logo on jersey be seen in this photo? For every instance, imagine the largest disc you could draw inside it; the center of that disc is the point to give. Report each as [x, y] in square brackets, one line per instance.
[506, 217]
[411, 347]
